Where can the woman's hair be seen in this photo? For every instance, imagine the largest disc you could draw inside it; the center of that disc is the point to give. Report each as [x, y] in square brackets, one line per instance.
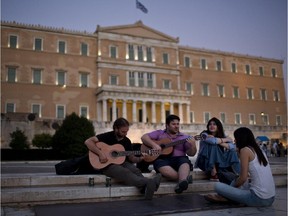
[120, 122]
[245, 138]
[220, 131]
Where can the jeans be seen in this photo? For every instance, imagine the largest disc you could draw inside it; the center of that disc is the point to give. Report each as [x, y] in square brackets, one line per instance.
[243, 196]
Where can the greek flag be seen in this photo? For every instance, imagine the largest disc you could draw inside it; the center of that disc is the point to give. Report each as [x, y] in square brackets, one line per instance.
[141, 7]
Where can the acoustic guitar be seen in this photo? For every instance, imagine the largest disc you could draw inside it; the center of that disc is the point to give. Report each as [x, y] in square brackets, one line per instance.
[166, 145]
[115, 154]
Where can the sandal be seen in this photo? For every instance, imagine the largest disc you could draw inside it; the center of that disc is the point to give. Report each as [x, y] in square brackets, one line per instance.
[215, 198]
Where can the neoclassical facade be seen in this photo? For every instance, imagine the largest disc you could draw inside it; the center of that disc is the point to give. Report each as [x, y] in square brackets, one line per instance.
[135, 72]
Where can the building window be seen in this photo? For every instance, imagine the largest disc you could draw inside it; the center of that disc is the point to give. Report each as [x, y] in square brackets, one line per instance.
[221, 90]
[166, 84]
[187, 62]
[247, 69]
[192, 117]
[261, 71]
[265, 119]
[189, 87]
[165, 59]
[250, 94]
[113, 80]
[38, 44]
[150, 80]
[61, 80]
[206, 117]
[84, 111]
[233, 68]
[203, 64]
[278, 120]
[223, 117]
[83, 80]
[235, 92]
[205, 89]
[238, 118]
[131, 78]
[62, 47]
[36, 108]
[252, 119]
[140, 79]
[131, 52]
[263, 94]
[36, 76]
[276, 95]
[218, 65]
[273, 72]
[11, 74]
[149, 54]
[113, 52]
[60, 111]
[13, 41]
[10, 107]
[84, 49]
[140, 53]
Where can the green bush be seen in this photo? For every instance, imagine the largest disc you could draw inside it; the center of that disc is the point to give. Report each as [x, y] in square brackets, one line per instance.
[70, 136]
[42, 141]
[18, 140]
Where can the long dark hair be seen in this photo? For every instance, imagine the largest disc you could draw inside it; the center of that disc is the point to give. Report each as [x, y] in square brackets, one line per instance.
[220, 130]
[245, 138]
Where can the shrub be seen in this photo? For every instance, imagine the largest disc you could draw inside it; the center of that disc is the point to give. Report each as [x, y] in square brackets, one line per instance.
[70, 136]
[18, 140]
[42, 141]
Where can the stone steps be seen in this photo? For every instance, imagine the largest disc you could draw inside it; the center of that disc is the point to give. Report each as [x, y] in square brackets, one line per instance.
[49, 188]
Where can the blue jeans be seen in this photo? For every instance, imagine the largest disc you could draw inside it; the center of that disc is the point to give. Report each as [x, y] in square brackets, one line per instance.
[243, 196]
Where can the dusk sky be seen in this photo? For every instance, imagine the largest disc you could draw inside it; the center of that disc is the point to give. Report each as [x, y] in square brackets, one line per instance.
[253, 27]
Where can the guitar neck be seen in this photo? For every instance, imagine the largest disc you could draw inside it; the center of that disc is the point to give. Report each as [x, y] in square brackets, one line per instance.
[127, 153]
[176, 143]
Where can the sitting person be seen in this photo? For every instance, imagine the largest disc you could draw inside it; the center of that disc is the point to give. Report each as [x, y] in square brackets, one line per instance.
[217, 151]
[254, 163]
[174, 165]
[125, 172]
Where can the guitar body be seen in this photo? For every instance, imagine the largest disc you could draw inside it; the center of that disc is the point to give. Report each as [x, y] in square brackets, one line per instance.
[111, 152]
[165, 150]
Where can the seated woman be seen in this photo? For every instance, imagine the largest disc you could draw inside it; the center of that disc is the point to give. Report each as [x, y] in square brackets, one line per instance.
[261, 190]
[217, 151]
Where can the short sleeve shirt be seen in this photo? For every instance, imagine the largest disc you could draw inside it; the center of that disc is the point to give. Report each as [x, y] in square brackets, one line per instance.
[179, 149]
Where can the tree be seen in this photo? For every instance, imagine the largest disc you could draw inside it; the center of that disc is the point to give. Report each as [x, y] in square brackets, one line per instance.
[18, 140]
[42, 141]
[70, 136]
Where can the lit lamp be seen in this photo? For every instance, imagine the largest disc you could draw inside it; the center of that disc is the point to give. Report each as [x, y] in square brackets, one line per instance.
[262, 113]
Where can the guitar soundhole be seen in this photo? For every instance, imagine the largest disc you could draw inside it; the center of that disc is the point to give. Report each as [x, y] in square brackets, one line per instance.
[114, 154]
[162, 146]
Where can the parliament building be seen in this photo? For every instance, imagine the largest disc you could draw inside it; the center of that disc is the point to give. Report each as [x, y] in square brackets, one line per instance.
[136, 72]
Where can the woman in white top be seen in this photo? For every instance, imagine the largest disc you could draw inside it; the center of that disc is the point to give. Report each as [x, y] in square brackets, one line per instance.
[260, 191]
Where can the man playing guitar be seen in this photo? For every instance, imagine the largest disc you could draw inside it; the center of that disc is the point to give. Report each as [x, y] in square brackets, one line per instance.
[176, 165]
[125, 172]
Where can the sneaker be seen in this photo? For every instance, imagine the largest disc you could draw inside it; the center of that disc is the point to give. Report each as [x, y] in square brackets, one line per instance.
[150, 188]
[157, 180]
[181, 186]
[214, 178]
[190, 179]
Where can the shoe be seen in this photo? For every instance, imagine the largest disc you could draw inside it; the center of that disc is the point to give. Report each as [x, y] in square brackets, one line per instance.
[190, 179]
[215, 198]
[181, 186]
[157, 180]
[150, 189]
[214, 178]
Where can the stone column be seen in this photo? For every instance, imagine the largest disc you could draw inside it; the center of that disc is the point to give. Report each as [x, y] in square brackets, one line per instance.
[144, 114]
[99, 111]
[124, 111]
[114, 114]
[188, 113]
[153, 112]
[134, 114]
[104, 110]
[171, 108]
[181, 112]
[162, 113]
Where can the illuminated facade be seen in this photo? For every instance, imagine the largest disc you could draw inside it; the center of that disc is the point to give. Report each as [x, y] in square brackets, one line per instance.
[138, 73]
